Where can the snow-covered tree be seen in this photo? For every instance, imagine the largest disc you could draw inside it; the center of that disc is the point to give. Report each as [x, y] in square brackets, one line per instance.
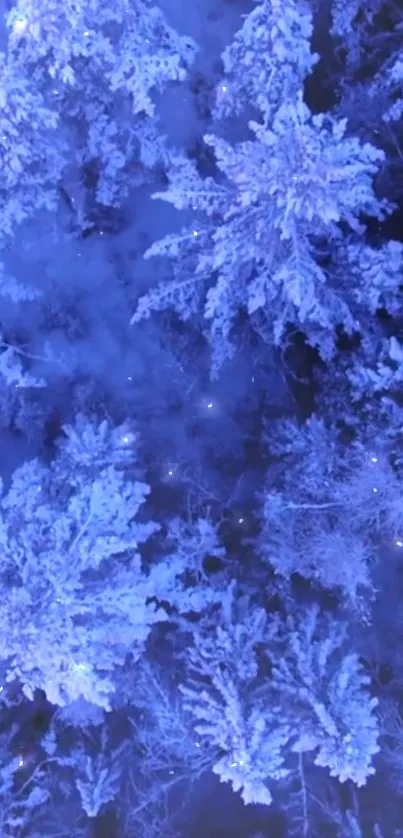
[380, 370]
[257, 246]
[77, 85]
[351, 27]
[334, 507]
[32, 156]
[269, 59]
[375, 275]
[312, 698]
[308, 539]
[76, 596]
[325, 687]
[221, 692]
[395, 83]
[75, 599]
[371, 93]
[176, 602]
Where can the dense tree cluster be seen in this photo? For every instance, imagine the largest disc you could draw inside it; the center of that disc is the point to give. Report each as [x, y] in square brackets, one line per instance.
[201, 358]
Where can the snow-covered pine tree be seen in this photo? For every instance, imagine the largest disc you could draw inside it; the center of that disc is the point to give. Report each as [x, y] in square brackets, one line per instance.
[268, 60]
[234, 716]
[77, 86]
[326, 697]
[75, 598]
[255, 243]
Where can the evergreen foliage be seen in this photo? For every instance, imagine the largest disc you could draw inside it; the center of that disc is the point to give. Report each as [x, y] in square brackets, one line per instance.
[201, 579]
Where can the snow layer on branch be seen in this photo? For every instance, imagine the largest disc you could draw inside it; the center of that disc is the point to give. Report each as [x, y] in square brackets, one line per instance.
[268, 60]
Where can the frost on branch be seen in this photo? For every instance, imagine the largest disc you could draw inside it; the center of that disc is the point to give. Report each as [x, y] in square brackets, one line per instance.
[130, 46]
[75, 599]
[268, 60]
[255, 249]
[232, 716]
[327, 691]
